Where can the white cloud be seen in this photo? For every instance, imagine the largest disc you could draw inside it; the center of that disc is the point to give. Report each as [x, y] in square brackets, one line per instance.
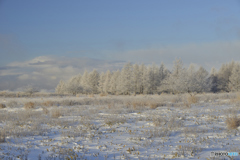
[53, 77]
[46, 71]
[23, 77]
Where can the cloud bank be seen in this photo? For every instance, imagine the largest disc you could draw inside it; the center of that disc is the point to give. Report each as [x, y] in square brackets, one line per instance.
[46, 71]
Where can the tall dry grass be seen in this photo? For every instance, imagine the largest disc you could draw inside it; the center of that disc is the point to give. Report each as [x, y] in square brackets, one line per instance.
[232, 122]
[191, 99]
[2, 137]
[56, 112]
[29, 105]
[48, 103]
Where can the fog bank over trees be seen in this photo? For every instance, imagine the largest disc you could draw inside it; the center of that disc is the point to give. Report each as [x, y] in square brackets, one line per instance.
[154, 79]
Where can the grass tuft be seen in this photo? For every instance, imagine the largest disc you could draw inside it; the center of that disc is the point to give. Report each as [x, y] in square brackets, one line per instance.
[91, 95]
[153, 105]
[29, 105]
[55, 113]
[232, 122]
[48, 103]
[103, 94]
[2, 137]
[192, 99]
[45, 110]
[2, 106]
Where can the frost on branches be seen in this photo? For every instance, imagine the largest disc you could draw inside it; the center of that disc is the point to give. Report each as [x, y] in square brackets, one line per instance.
[154, 79]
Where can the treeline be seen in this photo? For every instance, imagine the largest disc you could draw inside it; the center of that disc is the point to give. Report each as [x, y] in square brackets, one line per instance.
[141, 79]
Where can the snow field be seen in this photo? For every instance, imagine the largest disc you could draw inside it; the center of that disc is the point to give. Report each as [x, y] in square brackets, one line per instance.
[118, 127]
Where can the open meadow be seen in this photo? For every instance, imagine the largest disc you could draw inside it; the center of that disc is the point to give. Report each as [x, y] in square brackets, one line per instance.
[118, 127]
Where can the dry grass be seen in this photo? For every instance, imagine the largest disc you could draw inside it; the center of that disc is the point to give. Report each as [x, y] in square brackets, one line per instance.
[112, 120]
[159, 121]
[187, 104]
[128, 104]
[192, 99]
[29, 105]
[67, 102]
[12, 104]
[153, 105]
[238, 97]
[48, 103]
[2, 137]
[2, 106]
[158, 126]
[110, 105]
[137, 104]
[232, 122]
[91, 95]
[55, 113]
[78, 95]
[176, 98]
[235, 99]
[103, 94]
[45, 110]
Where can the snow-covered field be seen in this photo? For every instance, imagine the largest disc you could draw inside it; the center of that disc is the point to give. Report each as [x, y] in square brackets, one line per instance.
[118, 127]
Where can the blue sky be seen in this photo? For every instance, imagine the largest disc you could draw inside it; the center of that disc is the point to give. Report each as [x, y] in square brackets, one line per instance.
[43, 41]
[101, 29]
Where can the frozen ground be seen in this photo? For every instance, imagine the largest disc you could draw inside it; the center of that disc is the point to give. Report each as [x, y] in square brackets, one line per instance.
[118, 127]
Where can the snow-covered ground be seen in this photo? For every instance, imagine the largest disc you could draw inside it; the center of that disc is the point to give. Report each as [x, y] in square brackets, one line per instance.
[118, 127]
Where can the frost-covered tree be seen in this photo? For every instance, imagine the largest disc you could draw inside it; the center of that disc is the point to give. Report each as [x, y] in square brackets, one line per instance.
[85, 83]
[197, 81]
[93, 81]
[84, 80]
[176, 81]
[224, 75]
[191, 70]
[114, 82]
[142, 70]
[73, 88]
[190, 79]
[136, 78]
[213, 71]
[140, 79]
[163, 74]
[234, 79]
[154, 78]
[30, 89]
[76, 79]
[145, 81]
[202, 83]
[106, 85]
[126, 82]
[101, 82]
[61, 88]
[213, 80]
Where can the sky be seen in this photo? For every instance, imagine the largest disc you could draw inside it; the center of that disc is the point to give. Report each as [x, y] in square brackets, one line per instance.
[202, 32]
